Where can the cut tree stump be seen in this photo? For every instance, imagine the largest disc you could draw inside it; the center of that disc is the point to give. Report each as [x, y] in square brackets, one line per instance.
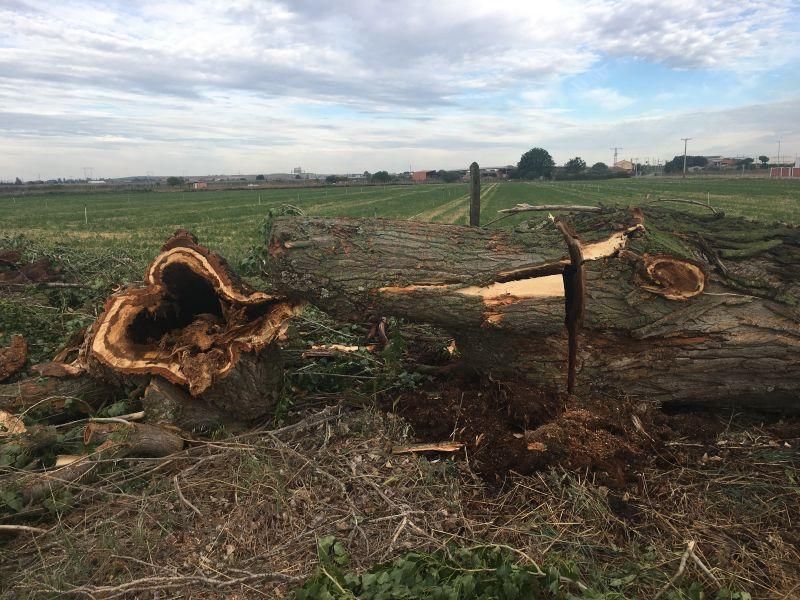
[664, 305]
[195, 324]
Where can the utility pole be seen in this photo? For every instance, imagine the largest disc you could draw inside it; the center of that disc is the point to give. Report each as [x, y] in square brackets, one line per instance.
[616, 150]
[685, 142]
[475, 195]
[779, 152]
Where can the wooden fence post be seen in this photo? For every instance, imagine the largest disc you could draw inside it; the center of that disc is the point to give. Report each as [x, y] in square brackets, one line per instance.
[474, 195]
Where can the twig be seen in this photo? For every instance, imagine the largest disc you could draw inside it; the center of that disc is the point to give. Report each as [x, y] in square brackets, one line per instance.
[681, 568]
[21, 528]
[703, 567]
[433, 447]
[50, 284]
[147, 583]
[681, 200]
[183, 498]
[509, 212]
[554, 207]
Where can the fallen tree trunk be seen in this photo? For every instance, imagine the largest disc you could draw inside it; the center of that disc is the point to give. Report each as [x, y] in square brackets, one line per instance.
[665, 305]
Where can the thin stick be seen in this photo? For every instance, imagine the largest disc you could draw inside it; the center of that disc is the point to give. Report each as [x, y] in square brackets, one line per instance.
[683, 201]
[554, 207]
[679, 572]
[510, 212]
[21, 528]
[183, 498]
[435, 447]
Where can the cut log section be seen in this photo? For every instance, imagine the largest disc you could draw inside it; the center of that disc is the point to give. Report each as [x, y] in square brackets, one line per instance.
[700, 308]
[54, 389]
[196, 325]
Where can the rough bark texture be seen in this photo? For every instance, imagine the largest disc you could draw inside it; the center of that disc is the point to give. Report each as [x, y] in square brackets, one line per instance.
[116, 440]
[51, 393]
[697, 308]
[165, 402]
[196, 325]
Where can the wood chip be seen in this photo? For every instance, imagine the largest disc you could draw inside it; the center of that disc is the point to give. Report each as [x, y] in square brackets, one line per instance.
[10, 425]
[62, 460]
[537, 446]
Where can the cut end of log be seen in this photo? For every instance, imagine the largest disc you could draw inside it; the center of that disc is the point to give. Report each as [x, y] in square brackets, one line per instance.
[190, 322]
[671, 277]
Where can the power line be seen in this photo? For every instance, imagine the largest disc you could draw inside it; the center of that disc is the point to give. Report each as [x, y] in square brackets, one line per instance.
[616, 150]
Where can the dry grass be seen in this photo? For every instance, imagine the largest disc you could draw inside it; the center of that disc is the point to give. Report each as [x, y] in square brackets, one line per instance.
[254, 507]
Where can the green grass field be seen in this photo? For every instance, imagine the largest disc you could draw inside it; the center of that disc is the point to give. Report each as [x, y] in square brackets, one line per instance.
[228, 221]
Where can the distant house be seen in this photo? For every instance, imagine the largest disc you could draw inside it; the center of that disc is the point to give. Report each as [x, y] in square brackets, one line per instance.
[720, 162]
[419, 176]
[623, 165]
[200, 185]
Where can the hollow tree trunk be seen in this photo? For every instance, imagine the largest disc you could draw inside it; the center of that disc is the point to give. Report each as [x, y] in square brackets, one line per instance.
[661, 304]
[197, 326]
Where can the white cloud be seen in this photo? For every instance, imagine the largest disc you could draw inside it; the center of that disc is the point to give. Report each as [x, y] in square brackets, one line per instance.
[608, 99]
[197, 85]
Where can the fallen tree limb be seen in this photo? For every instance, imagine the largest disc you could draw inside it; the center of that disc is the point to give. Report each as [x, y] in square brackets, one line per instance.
[687, 201]
[550, 207]
[53, 392]
[116, 441]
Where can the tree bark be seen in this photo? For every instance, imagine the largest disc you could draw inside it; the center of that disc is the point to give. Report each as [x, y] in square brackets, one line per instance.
[51, 393]
[195, 324]
[668, 306]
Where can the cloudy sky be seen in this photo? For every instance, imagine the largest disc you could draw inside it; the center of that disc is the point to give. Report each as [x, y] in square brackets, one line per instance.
[199, 87]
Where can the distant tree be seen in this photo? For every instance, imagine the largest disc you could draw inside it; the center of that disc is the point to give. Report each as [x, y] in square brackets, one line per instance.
[600, 167]
[575, 165]
[174, 181]
[676, 164]
[381, 176]
[764, 160]
[449, 176]
[259, 178]
[297, 176]
[18, 181]
[745, 162]
[331, 179]
[535, 163]
[367, 175]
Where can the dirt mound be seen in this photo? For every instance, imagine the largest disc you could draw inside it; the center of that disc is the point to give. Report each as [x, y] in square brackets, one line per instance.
[510, 428]
[13, 270]
[13, 357]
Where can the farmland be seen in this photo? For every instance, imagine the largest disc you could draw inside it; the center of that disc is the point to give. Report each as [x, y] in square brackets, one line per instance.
[645, 489]
[228, 221]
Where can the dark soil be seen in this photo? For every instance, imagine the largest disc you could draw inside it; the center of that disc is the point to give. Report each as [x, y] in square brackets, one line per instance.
[514, 428]
[12, 270]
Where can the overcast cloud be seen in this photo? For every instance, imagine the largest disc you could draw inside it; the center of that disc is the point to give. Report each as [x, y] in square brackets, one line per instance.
[254, 86]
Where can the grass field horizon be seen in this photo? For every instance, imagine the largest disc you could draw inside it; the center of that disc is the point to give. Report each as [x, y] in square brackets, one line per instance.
[229, 221]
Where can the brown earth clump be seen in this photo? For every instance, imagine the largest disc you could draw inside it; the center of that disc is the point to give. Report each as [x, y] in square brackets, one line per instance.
[13, 357]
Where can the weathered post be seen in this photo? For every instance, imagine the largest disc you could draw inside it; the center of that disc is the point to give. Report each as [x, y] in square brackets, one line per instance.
[474, 195]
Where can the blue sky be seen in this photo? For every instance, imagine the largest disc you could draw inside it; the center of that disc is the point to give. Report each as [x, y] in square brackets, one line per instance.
[200, 87]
